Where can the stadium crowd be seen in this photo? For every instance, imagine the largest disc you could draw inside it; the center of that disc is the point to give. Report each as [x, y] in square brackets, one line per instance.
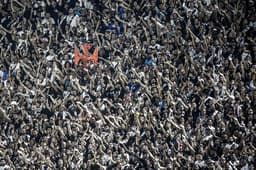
[174, 86]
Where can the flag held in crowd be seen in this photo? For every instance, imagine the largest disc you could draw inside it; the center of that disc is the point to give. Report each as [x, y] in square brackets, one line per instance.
[86, 56]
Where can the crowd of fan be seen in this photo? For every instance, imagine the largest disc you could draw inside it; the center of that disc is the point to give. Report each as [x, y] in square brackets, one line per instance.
[175, 85]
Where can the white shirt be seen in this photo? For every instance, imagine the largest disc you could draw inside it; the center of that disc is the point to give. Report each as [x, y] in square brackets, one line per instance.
[75, 21]
[246, 167]
[1, 73]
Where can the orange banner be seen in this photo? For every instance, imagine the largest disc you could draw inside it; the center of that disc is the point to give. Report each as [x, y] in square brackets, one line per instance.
[86, 56]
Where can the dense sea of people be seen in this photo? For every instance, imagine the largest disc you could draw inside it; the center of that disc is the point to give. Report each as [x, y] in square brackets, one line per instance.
[174, 86]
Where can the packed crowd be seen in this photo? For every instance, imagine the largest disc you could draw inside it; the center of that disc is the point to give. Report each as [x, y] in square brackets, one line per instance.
[174, 87]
